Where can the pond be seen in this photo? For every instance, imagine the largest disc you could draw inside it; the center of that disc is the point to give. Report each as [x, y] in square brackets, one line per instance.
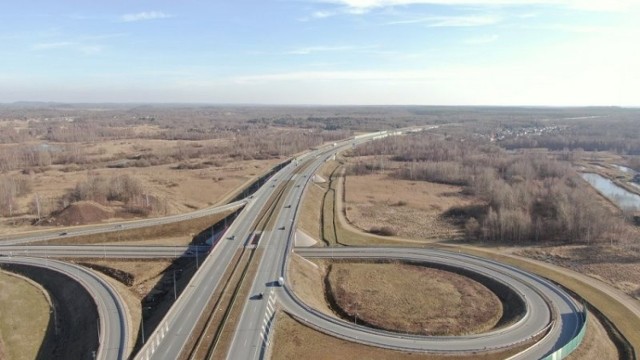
[623, 198]
[625, 169]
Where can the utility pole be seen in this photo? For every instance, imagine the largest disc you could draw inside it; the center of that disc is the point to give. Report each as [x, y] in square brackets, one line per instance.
[38, 205]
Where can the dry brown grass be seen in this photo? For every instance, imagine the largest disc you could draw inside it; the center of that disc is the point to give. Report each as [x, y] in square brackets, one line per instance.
[158, 232]
[309, 219]
[618, 313]
[596, 344]
[618, 266]
[160, 241]
[425, 300]
[180, 190]
[307, 279]
[293, 340]
[611, 307]
[3, 353]
[412, 208]
[24, 316]
[146, 273]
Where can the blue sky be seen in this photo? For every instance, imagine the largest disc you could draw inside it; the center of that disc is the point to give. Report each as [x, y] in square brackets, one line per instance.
[448, 52]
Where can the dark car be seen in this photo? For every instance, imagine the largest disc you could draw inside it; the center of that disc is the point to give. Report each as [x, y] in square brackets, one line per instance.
[259, 296]
[63, 233]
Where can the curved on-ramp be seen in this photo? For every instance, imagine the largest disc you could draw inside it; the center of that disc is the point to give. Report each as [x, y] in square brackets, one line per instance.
[548, 308]
[114, 331]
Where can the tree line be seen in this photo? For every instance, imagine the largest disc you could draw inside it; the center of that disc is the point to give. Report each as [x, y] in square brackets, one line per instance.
[530, 196]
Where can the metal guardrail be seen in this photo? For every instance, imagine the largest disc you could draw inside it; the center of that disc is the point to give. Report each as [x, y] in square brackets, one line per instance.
[571, 345]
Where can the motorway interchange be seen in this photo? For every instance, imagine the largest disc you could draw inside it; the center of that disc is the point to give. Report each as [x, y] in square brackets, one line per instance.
[551, 317]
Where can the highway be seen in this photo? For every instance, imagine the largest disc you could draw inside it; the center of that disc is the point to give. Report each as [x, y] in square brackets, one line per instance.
[252, 333]
[63, 233]
[550, 311]
[114, 331]
[172, 335]
[105, 251]
[537, 293]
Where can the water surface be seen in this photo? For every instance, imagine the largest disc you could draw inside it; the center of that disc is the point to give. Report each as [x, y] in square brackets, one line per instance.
[621, 197]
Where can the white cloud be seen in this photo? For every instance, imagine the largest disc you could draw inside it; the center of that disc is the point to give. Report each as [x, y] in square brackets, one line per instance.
[322, 14]
[361, 6]
[52, 45]
[364, 75]
[91, 49]
[479, 40]
[145, 15]
[451, 21]
[584, 29]
[103, 36]
[315, 49]
[463, 21]
[85, 49]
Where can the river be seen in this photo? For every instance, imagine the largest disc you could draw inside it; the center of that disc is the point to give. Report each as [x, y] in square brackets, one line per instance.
[621, 197]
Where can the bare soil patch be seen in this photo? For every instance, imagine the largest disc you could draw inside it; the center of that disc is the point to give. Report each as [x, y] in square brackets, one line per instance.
[293, 340]
[81, 213]
[425, 300]
[21, 300]
[413, 209]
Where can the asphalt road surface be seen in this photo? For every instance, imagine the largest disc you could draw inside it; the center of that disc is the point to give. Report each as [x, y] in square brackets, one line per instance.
[40, 236]
[547, 305]
[173, 333]
[114, 331]
[105, 251]
[538, 293]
